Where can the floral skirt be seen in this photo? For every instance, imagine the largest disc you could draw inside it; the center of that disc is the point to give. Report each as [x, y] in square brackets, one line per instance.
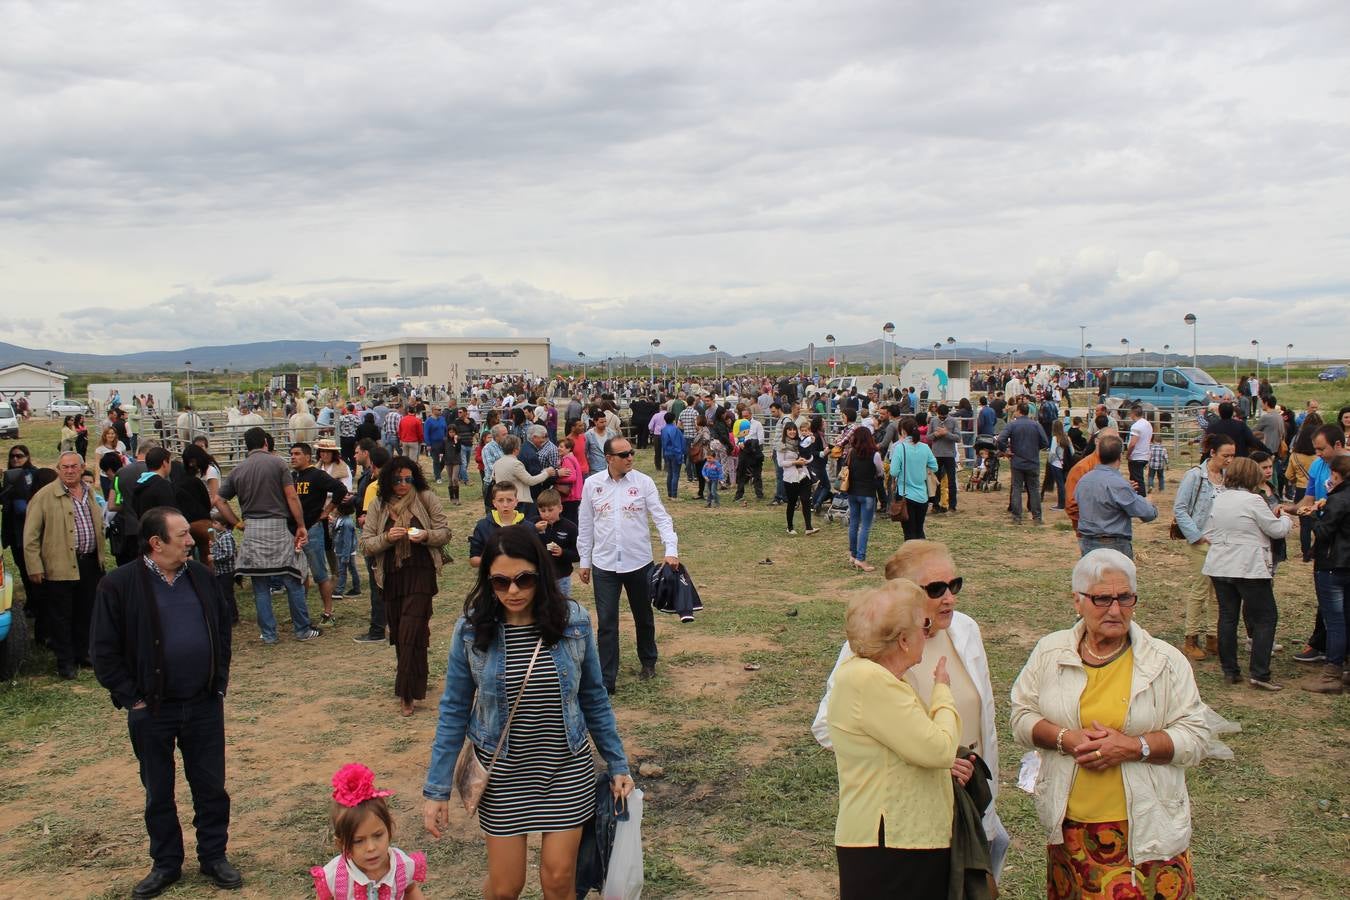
[1093, 864]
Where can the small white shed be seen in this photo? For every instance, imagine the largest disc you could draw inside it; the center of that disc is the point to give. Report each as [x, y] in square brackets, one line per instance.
[39, 384]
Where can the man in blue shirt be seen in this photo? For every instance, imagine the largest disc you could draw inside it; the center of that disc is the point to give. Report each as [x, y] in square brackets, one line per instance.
[434, 432]
[986, 422]
[1107, 502]
[1328, 443]
[1026, 439]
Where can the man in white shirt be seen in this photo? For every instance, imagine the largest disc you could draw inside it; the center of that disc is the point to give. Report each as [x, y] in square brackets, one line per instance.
[613, 540]
[1141, 436]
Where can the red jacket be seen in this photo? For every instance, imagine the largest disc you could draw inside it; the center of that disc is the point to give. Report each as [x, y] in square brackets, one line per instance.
[410, 429]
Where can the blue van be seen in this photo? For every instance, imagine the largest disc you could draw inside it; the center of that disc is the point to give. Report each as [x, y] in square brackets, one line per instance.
[1166, 386]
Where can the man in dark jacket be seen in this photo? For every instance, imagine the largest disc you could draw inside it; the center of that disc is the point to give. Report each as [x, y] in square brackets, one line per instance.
[153, 487]
[161, 646]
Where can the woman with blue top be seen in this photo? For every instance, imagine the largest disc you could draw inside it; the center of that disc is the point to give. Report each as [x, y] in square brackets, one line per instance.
[911, 461]
[521, 644]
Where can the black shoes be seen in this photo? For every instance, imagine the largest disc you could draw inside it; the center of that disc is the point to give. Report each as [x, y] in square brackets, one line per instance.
[156, 883]
[369, 638]
[648, 673]
[223, 875]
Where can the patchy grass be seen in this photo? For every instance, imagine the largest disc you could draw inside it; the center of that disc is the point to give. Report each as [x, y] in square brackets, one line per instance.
[747, 803]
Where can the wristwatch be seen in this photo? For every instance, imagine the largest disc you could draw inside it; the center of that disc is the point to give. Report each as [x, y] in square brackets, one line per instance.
[1144, 749]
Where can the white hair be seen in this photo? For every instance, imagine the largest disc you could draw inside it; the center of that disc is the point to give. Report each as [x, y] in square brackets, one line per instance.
[538, 431]
[1092, 568]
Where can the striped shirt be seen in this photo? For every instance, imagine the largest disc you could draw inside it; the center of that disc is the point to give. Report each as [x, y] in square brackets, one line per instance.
[538, 783]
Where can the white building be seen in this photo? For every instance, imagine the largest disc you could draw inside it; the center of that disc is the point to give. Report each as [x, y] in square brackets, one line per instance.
[39, 384]
[448, 361]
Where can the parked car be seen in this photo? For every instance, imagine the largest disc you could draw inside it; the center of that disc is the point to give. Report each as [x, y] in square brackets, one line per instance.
[9, 420]
[64, 406]
[1333, 373]
[1167, 386]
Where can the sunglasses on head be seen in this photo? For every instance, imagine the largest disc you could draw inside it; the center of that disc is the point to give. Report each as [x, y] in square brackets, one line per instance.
[624, 455]
[525, 581]
[403, 479]
[936, 589]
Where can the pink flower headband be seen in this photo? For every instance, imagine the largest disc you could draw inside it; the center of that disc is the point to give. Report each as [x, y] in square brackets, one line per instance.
[354, 784]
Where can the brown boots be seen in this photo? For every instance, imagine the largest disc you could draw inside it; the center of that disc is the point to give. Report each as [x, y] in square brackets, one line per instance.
[1192, 649]
[1212, 644]
[1328, 680]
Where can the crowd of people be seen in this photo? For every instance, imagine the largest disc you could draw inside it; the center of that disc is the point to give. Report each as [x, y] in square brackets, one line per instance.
[910, 696]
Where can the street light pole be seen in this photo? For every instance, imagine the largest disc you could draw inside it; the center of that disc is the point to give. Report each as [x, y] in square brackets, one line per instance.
[1257, 358]
[1082, 347]
[829, 339]
[1287, 348]
[582, 356]
[651, 360]
[1166, 347]
[188, 365]
[937, 345]
[1190, 320]
[1125, 342]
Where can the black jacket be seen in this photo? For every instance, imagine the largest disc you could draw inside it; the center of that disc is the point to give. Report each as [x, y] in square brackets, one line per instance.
[564, 534]
[125, 636]
[1331, 531]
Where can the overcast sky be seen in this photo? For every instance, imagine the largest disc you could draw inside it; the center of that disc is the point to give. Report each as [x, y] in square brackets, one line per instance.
[750, 174]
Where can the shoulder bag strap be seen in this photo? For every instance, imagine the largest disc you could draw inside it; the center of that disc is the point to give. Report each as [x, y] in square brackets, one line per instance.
[514, 706]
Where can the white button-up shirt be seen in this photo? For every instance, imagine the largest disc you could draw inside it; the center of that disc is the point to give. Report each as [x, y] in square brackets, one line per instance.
[612, 531]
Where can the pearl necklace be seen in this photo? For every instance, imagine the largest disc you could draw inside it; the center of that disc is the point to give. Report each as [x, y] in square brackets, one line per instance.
[1083, 645]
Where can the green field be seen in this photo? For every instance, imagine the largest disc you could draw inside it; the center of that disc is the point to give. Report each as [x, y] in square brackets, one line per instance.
[747, 802]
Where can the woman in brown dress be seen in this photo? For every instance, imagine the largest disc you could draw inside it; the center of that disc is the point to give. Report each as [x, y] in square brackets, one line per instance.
[404, 531]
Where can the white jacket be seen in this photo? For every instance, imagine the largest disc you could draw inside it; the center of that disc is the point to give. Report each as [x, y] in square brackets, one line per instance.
[1240, 529]
[965, 635]
[1163, 697]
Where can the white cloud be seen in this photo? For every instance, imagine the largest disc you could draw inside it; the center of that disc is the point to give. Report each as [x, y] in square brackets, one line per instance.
[730, 172]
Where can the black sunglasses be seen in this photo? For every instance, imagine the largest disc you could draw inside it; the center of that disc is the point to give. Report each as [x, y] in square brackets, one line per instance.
[403, 479]
[624, 455]
[525, 581]
[936, 589]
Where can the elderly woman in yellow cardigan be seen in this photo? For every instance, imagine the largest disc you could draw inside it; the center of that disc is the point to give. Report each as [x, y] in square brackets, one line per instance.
[894, 755]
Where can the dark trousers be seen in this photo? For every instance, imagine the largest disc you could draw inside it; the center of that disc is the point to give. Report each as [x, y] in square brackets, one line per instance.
[872, 873]
[1139, 475]
[377, 617]
[198, 728]
[913, 526]
[947, 466]
[798, 492]
[1024, 482]
[347, 450]
[1255, 599]
[437, 451]
[607, 585]
[750, 474]
[225, 581]
[69, 607]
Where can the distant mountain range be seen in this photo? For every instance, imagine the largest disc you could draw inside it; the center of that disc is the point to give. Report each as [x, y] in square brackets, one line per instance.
[270, 354]
[236, 357]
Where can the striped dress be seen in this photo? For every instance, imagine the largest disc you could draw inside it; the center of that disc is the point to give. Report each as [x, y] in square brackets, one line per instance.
[538, 785]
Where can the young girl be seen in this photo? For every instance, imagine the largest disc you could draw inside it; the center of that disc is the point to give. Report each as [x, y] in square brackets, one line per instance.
[713, 471]
[367, 867]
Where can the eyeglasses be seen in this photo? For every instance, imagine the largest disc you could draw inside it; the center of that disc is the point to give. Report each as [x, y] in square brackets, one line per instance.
[524, 581]
[624, 455]
[936, 589]
[18, 456]
[403, 479]
[1104, 601]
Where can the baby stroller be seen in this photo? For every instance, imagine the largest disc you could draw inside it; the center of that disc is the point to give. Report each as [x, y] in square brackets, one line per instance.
[837, 510]
[986, 455]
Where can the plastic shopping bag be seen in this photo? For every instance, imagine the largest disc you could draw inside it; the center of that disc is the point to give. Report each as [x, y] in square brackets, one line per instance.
[624, 881]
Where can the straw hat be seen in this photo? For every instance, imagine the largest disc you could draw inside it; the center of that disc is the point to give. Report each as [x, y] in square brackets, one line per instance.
[326, 444]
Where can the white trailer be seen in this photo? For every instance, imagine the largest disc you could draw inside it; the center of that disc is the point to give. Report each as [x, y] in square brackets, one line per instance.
[942, 379]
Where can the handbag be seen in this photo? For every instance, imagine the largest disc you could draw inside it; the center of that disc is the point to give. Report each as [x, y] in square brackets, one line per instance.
[470, 778]
[843, 479]
[899, 509]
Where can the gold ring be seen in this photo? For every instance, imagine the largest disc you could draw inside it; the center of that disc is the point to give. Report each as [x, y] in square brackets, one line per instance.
[1099, 754]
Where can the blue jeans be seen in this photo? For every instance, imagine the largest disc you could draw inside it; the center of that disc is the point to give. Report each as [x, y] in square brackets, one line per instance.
[1331, 588]
[295, 596]
[346, 566]
[465, 454]
[316, 553]
[861, 510]
[1088, 544]
[711, 493]
[673, 472]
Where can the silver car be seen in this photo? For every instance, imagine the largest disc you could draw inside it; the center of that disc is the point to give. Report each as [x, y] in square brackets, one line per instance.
[67, 407]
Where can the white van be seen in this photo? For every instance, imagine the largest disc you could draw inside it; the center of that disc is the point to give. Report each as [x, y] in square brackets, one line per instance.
[9, 420]
[863, 383]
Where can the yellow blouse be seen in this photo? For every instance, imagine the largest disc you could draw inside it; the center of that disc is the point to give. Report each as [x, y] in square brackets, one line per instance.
[894, 758]
[1100, 796]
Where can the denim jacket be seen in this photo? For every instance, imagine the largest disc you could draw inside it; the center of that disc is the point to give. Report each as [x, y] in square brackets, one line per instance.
[585, 703]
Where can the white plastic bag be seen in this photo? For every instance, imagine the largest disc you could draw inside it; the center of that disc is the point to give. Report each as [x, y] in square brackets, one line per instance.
[624, 880]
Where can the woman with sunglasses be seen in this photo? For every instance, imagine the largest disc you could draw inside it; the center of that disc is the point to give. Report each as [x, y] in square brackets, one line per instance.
[956, 636]
[1116, 718]
[405, 527]
[543, 780]
[19, 487]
